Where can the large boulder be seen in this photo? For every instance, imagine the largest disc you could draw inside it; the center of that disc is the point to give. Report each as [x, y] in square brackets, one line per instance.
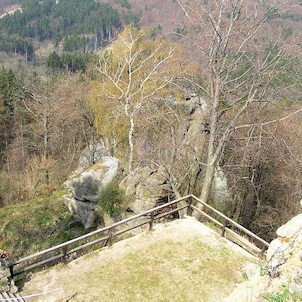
[84, 186]
[104, 171]
[275, 256]
[291, 228]
[283, 270]
[146, 187]
[4, 278]
[289, 234]
[220, 188]
[284, 255]
[84, 212]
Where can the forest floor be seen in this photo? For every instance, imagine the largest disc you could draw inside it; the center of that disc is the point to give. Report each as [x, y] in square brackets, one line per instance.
[182, 260]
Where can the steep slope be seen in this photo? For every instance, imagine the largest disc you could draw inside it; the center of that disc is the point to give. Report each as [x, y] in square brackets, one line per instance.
[170, 15]
[152, 13]
[281, 278]
[35, 225]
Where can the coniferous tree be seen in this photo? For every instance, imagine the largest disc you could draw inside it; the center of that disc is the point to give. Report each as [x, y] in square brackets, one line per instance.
[10, 93]
[44, 20]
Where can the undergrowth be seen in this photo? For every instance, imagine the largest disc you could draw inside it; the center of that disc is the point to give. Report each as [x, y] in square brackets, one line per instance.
[35, 225]
[284, 296]
[111, 199]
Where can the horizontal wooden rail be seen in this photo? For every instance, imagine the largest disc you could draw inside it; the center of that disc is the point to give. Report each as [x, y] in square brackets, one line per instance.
[85, 245]
[104, 236]
[38, 264]
[247, 244]
[263, 243]
[207, 215]
[106, 239]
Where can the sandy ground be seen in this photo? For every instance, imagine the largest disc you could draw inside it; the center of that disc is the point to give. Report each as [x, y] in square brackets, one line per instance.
[99, 276]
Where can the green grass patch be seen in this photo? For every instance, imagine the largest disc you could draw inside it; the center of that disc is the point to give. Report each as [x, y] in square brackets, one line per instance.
[175, 263]
[284, 296]
[35, 225]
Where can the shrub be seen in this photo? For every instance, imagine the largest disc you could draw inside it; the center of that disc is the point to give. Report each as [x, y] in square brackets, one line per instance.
[9, 188]
[111, 199]
[125, 3]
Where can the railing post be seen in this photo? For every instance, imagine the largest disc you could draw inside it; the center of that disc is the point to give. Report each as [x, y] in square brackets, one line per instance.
[151, 221]
[223, 228]
[109, 242]
[11, 270]
[189, 209]
[263, 250]
[64, 249]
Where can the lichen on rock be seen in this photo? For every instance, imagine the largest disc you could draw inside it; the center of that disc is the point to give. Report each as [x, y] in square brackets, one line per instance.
[146, 186]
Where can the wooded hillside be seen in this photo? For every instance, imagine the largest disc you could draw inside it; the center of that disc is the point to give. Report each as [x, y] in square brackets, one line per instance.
[218, 102]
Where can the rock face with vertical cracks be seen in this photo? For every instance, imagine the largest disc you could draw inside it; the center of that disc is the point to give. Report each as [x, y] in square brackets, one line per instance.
[84, 186]
[281, 274]
[146, 186]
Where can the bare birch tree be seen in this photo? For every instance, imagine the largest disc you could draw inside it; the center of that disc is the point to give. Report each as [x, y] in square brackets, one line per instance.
[134, 70]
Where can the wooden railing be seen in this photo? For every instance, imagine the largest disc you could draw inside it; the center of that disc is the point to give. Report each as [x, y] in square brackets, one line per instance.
[104, 236]
[231, 229]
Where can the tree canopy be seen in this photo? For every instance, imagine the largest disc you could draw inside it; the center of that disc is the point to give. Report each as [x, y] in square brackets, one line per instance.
[134, 72]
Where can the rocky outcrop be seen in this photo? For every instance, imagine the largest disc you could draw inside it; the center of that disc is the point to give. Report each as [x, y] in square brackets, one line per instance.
[219, 188]
[84, 186]
[282, 272]
[284, 258]
[94, 152]
[146, 186]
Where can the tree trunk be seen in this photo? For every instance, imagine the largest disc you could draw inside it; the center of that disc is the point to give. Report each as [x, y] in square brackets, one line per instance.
[197, 137]
[93, 143]
[181, 213]
[251, 198]
[46, 139]
[206, 188]
[95, 42]
[197, 169]
[130, 115]
[131, 143]
[213, 150]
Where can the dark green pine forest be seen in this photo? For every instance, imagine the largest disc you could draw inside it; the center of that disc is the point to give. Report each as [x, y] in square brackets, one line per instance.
[79, 30]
